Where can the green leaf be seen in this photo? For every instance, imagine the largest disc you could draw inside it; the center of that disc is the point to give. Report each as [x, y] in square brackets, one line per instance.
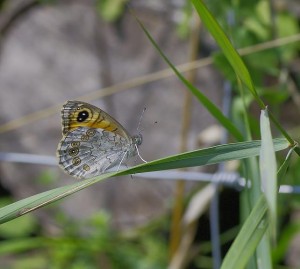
[248, 238]
[287, 235]
[234, 59]
[200, 157]
[110, 10]
[207, 156]
[284, 167]
[211, 107]
[268, 170]
[229, 51]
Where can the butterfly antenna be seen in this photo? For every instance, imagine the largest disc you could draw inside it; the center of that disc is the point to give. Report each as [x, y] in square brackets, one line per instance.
[139, 131]
[140, 120]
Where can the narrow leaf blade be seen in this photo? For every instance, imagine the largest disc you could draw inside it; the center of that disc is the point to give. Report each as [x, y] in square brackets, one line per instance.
[268, 169]
[189, 159]
[248, 238]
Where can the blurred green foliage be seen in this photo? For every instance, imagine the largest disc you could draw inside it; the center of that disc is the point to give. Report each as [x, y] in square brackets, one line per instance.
[91, 244]
[110, 10]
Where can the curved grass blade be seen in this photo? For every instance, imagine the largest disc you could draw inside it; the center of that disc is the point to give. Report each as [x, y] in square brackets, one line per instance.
[229, 51]
[207, 156]
[284, 167]
[250, 235]
[235, 60]
[210, 106]
[34, 202]
[247, 240]
[189, 159]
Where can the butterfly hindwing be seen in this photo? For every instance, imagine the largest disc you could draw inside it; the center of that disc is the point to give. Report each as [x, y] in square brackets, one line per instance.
[86, 152]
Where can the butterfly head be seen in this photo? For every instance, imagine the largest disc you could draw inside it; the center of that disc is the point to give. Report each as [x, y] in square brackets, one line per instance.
[137, 139]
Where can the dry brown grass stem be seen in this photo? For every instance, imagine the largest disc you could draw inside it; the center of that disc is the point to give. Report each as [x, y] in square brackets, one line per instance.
[140, 81]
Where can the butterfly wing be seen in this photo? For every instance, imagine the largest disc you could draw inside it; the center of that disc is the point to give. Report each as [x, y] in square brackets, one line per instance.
[86, 152]
[79, 114]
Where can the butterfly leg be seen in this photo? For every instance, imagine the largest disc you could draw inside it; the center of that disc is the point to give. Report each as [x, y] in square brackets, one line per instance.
[122, 161]
[138, 152]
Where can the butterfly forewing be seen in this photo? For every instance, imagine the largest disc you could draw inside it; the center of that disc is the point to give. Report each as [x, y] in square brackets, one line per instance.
[76, 114]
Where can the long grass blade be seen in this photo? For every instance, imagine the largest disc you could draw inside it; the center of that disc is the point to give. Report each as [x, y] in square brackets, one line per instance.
[268, 170]
[189, 159]
[229, 51]
[210, 106]
[248, 238]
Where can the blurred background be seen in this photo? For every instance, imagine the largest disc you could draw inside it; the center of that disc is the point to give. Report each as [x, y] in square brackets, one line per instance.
[54, 51]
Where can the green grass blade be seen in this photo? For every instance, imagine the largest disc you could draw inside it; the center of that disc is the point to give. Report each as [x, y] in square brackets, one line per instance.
[211, 107]
[263, 252]
[207, 156]
[34, 202]
[284, 243]
[268, 170]
[189, 159]
[248, 238]
[229, 51]
[235, 60]
[284, 167]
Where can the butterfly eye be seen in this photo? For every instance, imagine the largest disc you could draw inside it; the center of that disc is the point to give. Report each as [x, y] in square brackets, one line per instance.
[73, 151]
[82, 116]
[76, 161]
[75, 144]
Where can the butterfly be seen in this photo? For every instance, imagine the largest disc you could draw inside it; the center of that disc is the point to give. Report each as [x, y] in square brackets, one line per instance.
[93, 141]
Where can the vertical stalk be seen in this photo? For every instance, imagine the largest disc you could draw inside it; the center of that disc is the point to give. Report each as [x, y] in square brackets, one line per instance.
[176, 232]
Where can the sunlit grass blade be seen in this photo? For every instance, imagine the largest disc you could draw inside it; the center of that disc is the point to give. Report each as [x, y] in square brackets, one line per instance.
[268, 170]
[210, 106]
[34, 202]
[248, 238]
[207, 156]
[189, 159]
